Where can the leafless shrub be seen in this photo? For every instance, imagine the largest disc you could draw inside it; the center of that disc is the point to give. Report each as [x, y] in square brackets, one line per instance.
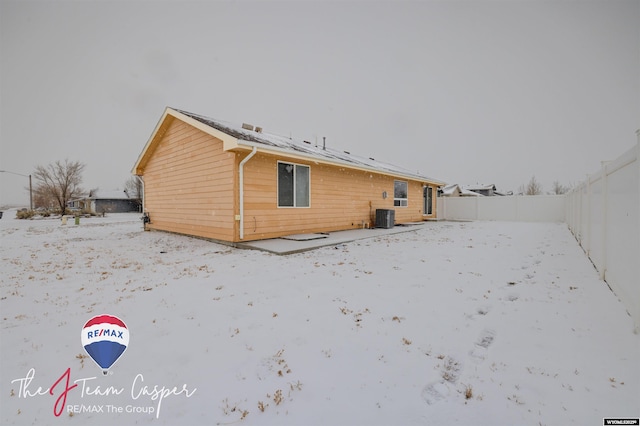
[295, 386]
[559, 189]
[277, 397]
[81, 357]
[468, 392]
[531, 188]
[229, 409]
[24, 214]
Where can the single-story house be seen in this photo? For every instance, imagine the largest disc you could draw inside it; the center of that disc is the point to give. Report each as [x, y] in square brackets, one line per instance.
[212, 179]
[488, 190]
[99, 202]
[454, 190]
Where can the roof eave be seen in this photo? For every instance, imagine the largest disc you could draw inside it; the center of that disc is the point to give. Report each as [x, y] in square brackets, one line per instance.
[248, 145]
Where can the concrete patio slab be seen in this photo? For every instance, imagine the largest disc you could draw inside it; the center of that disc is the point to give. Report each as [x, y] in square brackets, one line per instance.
[288, 245]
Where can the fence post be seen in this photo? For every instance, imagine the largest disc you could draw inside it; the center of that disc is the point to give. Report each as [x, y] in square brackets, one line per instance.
[578, 216]
[605, 225]
[636, 329]
[587, 232]
[444, 207]
[476, 198]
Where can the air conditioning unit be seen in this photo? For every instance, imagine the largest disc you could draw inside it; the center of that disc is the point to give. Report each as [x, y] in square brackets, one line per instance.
[385, 218]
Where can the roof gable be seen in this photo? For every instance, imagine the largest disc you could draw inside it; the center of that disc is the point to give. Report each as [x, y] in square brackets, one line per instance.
[163, 125]
[451, 189]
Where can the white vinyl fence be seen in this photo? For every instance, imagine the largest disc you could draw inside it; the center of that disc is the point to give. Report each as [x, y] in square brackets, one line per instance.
[604, 215]
[520, 208]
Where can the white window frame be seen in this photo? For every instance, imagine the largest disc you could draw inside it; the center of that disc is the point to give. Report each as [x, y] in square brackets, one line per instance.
[295, 201]
[400, 202]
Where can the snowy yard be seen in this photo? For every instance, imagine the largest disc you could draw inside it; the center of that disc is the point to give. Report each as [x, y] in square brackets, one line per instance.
[477, 323]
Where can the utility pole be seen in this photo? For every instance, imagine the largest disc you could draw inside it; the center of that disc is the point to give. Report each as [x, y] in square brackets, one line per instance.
[30, 186]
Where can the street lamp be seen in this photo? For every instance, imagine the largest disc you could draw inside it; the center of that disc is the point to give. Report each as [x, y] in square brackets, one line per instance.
[30, 187]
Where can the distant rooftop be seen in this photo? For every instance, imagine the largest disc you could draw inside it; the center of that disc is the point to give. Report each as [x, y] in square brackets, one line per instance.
[108, 195]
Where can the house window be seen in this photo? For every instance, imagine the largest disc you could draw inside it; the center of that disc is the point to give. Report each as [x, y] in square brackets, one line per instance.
[400, 193]
[293, 185]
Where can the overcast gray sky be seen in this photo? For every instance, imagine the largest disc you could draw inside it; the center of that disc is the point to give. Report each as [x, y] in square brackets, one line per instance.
[463, 91]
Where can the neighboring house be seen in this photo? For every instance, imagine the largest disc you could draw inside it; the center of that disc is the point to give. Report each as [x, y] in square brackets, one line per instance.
[99, 202]
[486, 190]
[454, 190]
[211, 179]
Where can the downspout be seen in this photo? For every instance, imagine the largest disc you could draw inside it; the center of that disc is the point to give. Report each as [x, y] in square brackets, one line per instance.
[247, 158]
[142, 183]
[145, 215]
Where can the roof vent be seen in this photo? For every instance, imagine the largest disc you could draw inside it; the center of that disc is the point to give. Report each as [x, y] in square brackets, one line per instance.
[258, 129]
[247, 126]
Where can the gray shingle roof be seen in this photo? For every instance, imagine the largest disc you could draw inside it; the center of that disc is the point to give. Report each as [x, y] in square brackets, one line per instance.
[283, 143]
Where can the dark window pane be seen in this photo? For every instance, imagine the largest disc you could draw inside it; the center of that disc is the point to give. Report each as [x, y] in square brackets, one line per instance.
[400, 189]
[285, 185]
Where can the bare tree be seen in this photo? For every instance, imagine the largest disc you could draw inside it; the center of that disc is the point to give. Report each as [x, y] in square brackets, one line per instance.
[559, 189]
[43, 199]
[59, 182]
[531, 188]
[133, 188]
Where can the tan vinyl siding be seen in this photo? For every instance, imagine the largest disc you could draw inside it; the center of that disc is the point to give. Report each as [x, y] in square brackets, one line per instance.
[192, 187]
[341, 198]
[190, 184]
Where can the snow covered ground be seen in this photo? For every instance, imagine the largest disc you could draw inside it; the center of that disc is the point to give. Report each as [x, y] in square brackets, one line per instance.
[478, 323]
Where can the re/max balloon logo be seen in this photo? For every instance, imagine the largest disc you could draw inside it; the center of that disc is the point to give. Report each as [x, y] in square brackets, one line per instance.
[105, 338]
